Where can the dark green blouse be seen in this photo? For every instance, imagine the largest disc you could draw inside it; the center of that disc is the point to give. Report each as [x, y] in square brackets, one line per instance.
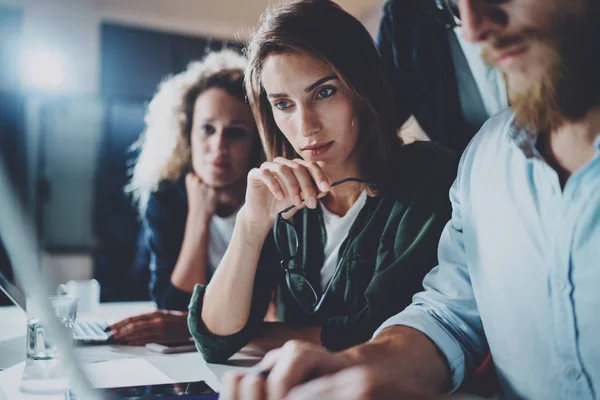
[390, 247]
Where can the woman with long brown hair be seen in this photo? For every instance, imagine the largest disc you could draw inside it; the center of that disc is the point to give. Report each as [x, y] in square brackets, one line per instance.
[342, 218]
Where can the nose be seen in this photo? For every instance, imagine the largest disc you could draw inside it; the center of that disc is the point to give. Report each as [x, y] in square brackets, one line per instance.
[308, 121]
[481, 19]
[219, 142]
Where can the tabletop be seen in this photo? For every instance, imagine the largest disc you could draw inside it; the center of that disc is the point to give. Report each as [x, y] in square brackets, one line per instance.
[182, 367]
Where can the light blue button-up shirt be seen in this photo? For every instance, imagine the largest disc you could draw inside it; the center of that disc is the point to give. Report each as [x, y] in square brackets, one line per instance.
[519, 271]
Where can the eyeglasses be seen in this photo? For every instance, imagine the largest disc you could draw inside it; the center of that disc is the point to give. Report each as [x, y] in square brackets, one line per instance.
[286, 242]
[450, 8]
[450, 13]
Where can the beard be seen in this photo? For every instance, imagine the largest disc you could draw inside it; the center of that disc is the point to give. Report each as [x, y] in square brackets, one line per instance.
[570, 85]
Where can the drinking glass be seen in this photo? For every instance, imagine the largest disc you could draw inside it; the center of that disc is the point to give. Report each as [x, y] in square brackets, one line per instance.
[44, 372]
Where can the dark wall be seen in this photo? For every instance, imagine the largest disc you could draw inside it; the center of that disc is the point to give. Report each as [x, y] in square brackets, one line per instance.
[134, 60]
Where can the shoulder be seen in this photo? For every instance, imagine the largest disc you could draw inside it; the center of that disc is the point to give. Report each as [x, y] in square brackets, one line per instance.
[169, 200]
[492, 139]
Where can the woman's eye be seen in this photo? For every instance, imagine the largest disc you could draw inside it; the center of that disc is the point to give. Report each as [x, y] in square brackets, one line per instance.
[282, 105]
[326, 92]
[207, 129]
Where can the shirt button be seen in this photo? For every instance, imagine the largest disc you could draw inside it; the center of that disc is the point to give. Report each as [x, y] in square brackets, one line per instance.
[572, 373]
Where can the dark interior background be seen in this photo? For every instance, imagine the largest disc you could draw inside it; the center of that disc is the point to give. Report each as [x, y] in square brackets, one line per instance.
[133, 62]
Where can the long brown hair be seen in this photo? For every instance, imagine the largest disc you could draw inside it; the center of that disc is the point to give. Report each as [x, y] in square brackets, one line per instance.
[324, 30]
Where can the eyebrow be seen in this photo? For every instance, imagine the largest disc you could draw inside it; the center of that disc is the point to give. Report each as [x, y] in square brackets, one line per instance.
[310, 88]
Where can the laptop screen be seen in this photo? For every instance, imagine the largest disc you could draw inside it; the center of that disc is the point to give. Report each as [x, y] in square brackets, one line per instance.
[12, 291]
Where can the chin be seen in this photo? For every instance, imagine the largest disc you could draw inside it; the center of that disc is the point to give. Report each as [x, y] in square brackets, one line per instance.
[223, 181]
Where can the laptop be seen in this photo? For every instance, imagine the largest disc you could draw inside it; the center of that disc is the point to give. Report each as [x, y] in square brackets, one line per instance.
[17, 233]
[83, 331]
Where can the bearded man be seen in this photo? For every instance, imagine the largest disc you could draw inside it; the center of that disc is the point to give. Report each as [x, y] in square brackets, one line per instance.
[519, 262]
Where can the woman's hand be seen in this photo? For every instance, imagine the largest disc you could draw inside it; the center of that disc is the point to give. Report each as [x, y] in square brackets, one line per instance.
[202, 199]
[279, 184]
[154, 327]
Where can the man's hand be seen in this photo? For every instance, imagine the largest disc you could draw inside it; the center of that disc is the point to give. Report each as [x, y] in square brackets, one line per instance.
[155, 327]
[294, 363]
[400, 363]
[364, 383]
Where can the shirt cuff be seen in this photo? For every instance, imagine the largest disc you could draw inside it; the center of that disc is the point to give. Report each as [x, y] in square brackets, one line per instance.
[423, 321]
[174, 299]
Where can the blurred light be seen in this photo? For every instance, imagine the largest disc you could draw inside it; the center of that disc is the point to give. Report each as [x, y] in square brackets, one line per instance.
[43, 69]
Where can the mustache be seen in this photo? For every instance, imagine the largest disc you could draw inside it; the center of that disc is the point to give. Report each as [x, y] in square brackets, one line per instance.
[498, 44]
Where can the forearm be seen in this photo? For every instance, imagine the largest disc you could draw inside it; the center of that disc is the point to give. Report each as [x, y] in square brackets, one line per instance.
[409, 355]
[228, 297]
[192, 263]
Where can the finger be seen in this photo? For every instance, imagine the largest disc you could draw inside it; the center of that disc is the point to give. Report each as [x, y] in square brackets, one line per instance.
[308, 187]
[190, 179]
[231, 386]
[293, 211]
[252, 387]
[264, 176]
[317, 174]
[148, 336]
[120, 324]
[345, 385]
[322, 388]
[137, 328]
[269, 359]
[287, 180]
[297, 363]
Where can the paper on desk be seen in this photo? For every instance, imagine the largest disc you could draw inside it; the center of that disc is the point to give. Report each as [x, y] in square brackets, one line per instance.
[114, 373]
[10, 382]
[125, 372]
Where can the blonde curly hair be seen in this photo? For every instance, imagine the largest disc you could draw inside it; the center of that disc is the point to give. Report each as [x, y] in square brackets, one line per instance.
[164, 145]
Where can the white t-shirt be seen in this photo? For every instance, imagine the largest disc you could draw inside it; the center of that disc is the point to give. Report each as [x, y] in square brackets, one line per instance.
[221, 231]
[337, 230]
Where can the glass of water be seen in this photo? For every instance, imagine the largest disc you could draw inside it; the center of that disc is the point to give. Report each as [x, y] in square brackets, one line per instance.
[44, 372]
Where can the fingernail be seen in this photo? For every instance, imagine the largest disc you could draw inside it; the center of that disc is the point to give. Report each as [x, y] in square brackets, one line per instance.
[312, 202]
[297, 200]
[324, 186]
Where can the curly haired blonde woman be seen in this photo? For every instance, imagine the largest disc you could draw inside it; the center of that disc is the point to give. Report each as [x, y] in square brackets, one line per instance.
[189, 182]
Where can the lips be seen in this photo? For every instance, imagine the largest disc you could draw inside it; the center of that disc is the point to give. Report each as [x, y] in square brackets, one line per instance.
[317, 148]
[220, 162]
[504, 58]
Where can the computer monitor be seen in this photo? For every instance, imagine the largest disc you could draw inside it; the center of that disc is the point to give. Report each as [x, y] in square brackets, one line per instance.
[18, 235]
[12, 291]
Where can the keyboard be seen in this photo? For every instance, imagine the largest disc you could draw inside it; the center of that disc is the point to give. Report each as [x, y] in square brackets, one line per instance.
[90, 331]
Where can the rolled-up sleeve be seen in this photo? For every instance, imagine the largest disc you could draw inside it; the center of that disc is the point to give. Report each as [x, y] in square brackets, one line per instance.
[446, 311]
[216, 348]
